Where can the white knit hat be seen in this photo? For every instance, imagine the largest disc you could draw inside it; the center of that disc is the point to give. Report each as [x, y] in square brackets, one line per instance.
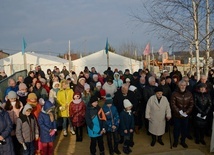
[86, 86]
[127, 103]
[98, 84]
[26, 107]
[132, 88]
[11, 94]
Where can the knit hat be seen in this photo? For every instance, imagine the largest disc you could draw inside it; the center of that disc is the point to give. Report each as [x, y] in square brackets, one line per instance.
[77, 93]
[102, 92]
[98, 84]
[158, 89]
[135, 74]
[42, 80]
[22, 86]
[26, 107]
[41, 101]
[132, 88]
[128, 80]
[81, 78]
[11, 94]
[93, 99]
[32, 98]
[127, 103]
[109, 99]
[38, 82]
[86, 86]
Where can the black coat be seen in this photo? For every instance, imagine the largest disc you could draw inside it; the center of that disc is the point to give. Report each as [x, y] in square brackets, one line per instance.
[202, 105]
[5, 130]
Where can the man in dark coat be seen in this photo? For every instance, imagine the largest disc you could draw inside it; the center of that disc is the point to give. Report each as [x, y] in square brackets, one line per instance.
[181, 105]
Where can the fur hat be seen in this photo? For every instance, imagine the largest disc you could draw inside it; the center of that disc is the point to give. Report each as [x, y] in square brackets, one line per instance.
[109, 99]
[22, 86]
[127, 103]
[200, 85]
[86, 86]
[93, 99]
[11, 94]
[55, 83]
[98, 84]
[158, 89]
[132, 88]
[77, 93]
[26, 107]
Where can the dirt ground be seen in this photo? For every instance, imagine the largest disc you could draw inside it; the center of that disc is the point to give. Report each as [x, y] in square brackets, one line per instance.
[142, 146]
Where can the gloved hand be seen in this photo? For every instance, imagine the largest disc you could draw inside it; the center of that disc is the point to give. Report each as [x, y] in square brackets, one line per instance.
[61, 108]
[52, 132]
[24, 146]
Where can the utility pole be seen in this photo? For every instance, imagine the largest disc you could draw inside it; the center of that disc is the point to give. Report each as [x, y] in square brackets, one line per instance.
[69, 54]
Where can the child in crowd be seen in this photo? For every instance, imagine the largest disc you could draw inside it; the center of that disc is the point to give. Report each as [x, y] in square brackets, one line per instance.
[112, 125]
[86, 94]
[77, 114]
[127, 125]
[64, 98]
[22, 93]
[13, 106]
[27, 130]
[48, 127]
[53, 92]
[95, 120]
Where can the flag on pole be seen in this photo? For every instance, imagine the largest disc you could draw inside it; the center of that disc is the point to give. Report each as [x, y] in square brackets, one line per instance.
[24, 45]
[160, 50]
[147, 50]
[107, 46]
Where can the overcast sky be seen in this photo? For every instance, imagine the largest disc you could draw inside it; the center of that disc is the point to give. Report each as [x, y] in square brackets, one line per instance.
[48, 25]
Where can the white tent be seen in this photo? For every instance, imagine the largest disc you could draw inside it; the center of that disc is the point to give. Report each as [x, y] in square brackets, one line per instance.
[15, 62]
[99, 61]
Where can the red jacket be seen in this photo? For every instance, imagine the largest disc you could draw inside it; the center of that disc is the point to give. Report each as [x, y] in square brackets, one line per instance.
[77, 113]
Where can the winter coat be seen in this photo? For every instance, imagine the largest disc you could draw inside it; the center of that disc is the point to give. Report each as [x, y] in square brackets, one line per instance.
[45, 124]
[118, 100]
[112, 117]
[79, 88]
[181, 101]
[5, 130]
[64, 98]
[202, 105]
[77, 112]
[36, 110]
[26, 130]
[126, 122]
[148, 91]
[95, 120]
[40, 93]
[110, 89]
[156, 113]
[117, 81]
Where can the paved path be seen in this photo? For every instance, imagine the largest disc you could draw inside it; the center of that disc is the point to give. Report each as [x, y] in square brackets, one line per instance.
[69, 146]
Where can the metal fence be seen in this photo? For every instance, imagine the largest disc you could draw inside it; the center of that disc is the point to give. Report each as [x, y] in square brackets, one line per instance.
[4, 82]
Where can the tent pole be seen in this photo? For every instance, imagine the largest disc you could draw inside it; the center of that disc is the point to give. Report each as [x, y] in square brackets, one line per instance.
[107, 59]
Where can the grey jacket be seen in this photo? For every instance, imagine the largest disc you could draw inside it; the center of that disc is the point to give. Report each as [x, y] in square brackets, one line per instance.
[26, 128]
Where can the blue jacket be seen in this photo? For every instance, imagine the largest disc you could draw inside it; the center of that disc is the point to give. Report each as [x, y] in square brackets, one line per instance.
[93, 121]
[46, 124]
[5, 130]
[112, 117]
[126, 122]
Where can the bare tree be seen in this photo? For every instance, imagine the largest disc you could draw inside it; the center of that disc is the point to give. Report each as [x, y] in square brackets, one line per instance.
[179, 22]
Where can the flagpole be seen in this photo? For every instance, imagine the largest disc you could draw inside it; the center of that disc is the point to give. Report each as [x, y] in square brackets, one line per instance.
[69, 54]
[107, 59]
[23, 53]
[153, 59]
[162, 62]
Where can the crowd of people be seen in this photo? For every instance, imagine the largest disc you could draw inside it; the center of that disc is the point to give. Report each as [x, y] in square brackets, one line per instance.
[114, 104]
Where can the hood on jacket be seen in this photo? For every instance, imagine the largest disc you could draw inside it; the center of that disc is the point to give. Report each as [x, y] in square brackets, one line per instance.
[55, 83]
[116, 74]
[47, 106]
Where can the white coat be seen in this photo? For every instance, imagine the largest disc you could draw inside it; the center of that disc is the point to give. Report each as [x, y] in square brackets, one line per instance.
[156, 113]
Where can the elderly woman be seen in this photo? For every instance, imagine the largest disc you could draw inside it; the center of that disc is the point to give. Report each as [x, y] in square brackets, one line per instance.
[202, 106]
[157, 111]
